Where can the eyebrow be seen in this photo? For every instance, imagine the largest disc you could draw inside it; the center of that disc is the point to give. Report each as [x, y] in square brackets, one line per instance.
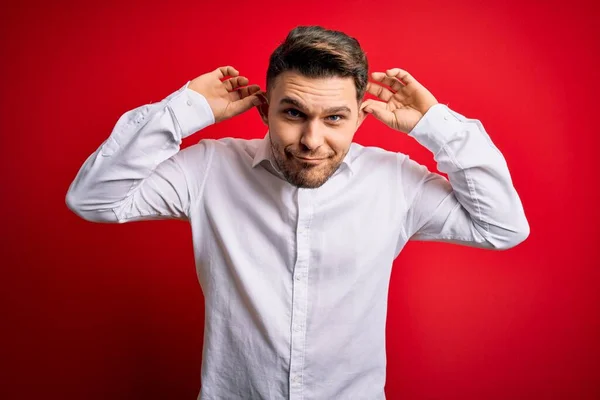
[302, 107]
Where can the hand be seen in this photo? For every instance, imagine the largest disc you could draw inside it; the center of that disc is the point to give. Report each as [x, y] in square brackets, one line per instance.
[402, 106]
[227, 97]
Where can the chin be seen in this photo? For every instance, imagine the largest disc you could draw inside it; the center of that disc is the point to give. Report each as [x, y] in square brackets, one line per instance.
[310, 178]
[309, 184]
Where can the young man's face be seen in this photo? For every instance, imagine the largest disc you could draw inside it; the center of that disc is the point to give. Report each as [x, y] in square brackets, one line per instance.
[311, 125]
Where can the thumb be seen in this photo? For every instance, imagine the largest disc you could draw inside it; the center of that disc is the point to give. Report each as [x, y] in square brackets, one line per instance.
[379, 110]
[243, 105]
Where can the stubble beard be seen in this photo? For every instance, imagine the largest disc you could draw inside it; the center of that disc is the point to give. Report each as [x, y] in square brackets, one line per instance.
[304, 176]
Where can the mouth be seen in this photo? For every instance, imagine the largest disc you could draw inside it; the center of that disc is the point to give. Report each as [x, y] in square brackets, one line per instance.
[310, 160]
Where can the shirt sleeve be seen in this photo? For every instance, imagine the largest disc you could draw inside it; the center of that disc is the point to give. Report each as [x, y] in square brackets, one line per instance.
[477, 205]
[138, 172]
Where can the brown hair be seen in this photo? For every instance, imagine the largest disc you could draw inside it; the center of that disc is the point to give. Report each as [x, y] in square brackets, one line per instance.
[316, 52]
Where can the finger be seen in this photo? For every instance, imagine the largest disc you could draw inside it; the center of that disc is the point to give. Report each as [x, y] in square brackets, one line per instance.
[244, 92]
[232, 84]
[392, 82]
[249, 90]
[379, 111]
[370, 104]
[262, 97]
[379, 91]
[228, 70]
[402, 75]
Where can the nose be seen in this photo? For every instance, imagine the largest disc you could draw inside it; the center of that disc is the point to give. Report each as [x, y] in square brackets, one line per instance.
[312, 137]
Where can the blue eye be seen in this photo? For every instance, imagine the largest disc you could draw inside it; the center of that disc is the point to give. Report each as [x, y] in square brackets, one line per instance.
[293, 113]
[335, 118]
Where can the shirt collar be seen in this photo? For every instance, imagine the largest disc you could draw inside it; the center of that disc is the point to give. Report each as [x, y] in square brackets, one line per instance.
[264, 153]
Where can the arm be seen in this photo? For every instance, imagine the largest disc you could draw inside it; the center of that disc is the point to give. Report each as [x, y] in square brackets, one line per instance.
[138, 173]
[478, 206]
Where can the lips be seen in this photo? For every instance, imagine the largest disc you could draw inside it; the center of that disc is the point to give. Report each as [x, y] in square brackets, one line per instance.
[311, 161]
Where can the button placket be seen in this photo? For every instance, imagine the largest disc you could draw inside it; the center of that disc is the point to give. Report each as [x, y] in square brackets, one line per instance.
[300, 292]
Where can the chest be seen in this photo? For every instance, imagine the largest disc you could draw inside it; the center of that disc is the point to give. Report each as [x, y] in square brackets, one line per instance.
[343, 224]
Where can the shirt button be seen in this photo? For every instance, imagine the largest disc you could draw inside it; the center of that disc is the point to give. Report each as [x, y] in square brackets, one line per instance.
[189, 102]
[298, 277]
[297, 328]
[296, 379]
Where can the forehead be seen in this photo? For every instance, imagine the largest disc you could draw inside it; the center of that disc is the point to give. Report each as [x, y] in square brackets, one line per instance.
[314, 93]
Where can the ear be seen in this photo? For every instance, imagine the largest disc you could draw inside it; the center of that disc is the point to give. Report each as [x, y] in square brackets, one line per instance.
[263, 108]
[362, 115]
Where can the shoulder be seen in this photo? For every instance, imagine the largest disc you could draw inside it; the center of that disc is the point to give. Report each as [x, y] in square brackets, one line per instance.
[229, 155]
[226, 146]
[366, 157]
[372, 160]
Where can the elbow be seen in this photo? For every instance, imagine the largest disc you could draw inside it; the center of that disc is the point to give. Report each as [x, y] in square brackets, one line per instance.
[73, 204]
[77, 205]
[516, 237]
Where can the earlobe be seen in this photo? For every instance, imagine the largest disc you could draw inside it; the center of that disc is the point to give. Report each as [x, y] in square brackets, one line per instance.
[362, 115]
[263, 109]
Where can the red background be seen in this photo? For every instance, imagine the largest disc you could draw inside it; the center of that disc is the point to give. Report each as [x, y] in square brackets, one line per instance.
[97, 311]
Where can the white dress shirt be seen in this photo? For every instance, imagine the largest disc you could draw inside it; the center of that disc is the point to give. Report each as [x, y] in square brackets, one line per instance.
[296, 280]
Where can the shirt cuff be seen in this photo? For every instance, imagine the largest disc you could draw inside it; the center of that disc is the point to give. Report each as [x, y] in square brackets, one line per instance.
[191, 110]
[437, 127]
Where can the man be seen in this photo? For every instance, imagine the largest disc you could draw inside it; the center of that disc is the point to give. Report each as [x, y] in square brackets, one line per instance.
[295, 234]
